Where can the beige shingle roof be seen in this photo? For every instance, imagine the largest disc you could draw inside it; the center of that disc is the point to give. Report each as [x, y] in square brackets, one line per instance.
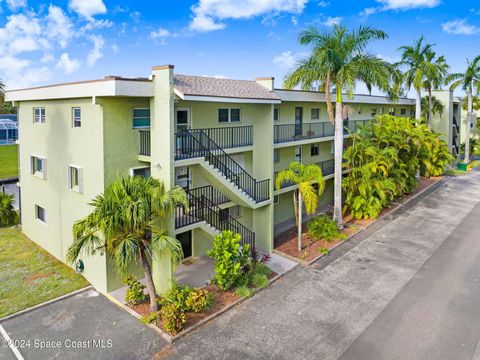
[208, 86]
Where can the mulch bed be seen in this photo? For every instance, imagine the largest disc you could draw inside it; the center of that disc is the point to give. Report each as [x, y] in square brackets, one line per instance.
[311, 247]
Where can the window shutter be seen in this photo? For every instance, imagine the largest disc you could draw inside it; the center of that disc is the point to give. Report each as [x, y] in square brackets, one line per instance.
[80, 180]
[44, 168]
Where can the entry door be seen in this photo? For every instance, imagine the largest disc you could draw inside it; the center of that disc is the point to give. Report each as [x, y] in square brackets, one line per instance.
[186, 241]
[182, 177]
[298, 154]
[182, 119]
[298, 120]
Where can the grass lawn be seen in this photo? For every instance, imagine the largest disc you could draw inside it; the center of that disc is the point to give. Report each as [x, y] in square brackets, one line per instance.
[8, 161]
[29, 275]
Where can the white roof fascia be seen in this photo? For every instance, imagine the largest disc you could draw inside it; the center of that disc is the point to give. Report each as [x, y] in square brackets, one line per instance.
[110, 87]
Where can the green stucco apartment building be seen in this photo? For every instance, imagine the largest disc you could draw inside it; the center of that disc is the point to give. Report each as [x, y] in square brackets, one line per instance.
[222, 140]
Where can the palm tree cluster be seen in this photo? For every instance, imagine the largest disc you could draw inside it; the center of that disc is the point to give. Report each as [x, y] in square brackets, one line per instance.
[384, 159]
[340, 59]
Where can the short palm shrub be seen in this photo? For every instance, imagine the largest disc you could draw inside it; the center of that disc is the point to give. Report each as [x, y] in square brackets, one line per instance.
[230, 259]
[135, 292]
[8, 215]
[323, 227]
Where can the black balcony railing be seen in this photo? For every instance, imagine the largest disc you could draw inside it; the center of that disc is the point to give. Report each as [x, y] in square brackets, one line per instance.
[351, 126]
[231, 137]
[144, 142]
[196, 143]
[202, 209]
[328, 167]
[209, 192]
[294, 132]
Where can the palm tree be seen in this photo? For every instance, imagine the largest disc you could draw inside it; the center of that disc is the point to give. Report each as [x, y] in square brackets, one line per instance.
[127, 222]
[469, 81]
[338, 61]
[413, 59]
[305, 176]
[436, 71]
[431, 105]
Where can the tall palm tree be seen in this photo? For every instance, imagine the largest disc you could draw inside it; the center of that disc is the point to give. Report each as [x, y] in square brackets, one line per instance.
[305, 176]
[431, 106]
[338, 61]
[413, 60]
[469, 81]
[127, 223]
[436, 71]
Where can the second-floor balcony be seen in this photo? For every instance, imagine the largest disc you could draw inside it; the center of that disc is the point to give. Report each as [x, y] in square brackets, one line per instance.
[296, 132]
[327, 166]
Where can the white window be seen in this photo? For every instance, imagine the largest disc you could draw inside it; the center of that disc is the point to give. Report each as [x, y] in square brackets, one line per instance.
[276, 199]
[141, 118]
[314, 150]
[229, 115]
[234, 211]
[38, 166]
[391, 111]
[298, 154]
[276, 114]
[40, 214]
[141, 171]
[39, 115]
[77, 117]
[403, 111]
[276, 156]
[315, 114]
[75, 179]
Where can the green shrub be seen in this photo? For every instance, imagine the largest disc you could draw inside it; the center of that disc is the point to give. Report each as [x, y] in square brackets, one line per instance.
[150, 318]
[243, 291]
[173, 318]
[8, 215]
[259, 281]
[177, 294]
[199, 300]
[135, 293]
[230, 258]
[262, 269]
[323, 227]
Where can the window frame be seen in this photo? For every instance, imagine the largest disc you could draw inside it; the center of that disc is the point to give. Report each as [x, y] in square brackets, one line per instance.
[78, 188]
[312, 147]
[311, 114]
[403, 111]
[373, 112]
[276, 199]
[74, 119]
[41, 117]
[132, 170]
[229, 115]
[33, 170]
[39, 209]
[133, 118]
[277, 111]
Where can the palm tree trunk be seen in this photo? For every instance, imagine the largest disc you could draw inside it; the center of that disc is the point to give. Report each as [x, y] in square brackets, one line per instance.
[469, 124]
[337, 203]
[328, 99]
[300, 211]
[295, 208]
[149, 280]
[418, 105]
[430, 108]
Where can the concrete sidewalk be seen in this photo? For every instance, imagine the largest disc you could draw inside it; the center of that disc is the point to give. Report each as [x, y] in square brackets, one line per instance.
[319, 312]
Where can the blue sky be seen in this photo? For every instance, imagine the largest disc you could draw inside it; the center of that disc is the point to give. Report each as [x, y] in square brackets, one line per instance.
[68, 40]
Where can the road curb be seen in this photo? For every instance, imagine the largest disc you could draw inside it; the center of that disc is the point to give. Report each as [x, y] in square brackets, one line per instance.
[38, 306]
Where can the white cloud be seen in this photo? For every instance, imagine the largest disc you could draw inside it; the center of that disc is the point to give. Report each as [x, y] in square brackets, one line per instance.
[209, 14]
[323, 4]
[286, 60]
[400, 5]
[14, 5]
[68, 65]
[460, 27]
[135, 16]
[96, 53]
[114, 48]
[59, 26]
[97, 24]
[88, 8]
[159, 33]
[294, 20]
[330, 21]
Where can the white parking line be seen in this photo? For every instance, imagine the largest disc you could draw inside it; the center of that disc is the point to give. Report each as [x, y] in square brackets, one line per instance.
[10, 343]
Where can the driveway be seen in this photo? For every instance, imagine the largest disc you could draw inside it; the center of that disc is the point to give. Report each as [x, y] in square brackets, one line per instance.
[402, 291]
[85, 326]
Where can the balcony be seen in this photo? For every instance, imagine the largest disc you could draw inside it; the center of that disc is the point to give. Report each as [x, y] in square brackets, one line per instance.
[297, 132]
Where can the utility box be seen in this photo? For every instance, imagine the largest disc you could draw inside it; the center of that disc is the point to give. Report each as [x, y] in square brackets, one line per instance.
[462, 166]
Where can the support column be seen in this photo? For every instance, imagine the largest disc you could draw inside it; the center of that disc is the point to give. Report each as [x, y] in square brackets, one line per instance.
[162, 155]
